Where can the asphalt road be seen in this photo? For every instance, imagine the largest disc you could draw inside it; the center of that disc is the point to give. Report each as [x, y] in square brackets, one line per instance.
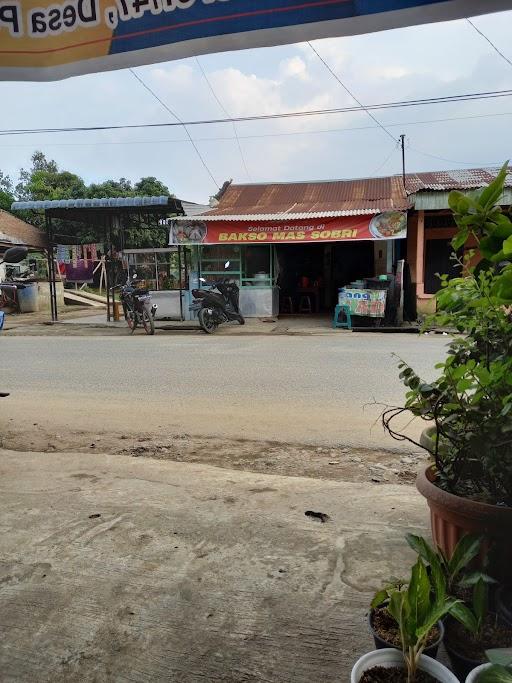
[308, 389]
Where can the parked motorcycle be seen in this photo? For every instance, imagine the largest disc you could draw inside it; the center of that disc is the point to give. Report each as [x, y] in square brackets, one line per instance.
[137, 306]
[12, 255]
[214, 308]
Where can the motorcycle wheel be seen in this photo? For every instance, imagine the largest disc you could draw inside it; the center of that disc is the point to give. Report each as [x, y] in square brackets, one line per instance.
[131, 317]
[206, 321]
[148, 321]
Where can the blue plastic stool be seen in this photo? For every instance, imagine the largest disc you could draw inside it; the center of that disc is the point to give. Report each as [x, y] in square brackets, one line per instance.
[347, 324]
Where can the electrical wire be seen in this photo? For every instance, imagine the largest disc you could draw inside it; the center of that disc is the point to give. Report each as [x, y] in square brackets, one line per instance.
[377, 170]
[223, 138]
[452, 161]
[269, 117]
[509, 62]
[335, 75]
[217, 99]
[180, 122]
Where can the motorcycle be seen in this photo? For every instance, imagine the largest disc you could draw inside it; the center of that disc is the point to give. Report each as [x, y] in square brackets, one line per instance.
[11, 256]
[214, 308]
[137, 306]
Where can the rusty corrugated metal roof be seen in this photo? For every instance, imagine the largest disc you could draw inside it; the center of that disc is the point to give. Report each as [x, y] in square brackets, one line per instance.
[462, 179]
[15, 231]
[311, 199]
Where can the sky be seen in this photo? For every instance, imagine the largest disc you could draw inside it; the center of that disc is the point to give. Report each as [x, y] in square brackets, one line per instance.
[417, 62]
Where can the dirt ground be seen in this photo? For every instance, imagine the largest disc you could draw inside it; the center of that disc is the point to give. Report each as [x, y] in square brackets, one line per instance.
[268, 457]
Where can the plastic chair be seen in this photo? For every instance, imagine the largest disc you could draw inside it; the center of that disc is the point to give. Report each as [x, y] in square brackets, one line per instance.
[347, 323]
[305, 304]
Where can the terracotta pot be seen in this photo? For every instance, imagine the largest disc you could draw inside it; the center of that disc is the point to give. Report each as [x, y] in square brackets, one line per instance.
[452, 517]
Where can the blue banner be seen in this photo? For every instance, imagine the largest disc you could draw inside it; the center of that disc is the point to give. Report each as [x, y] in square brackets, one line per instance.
[45, 39]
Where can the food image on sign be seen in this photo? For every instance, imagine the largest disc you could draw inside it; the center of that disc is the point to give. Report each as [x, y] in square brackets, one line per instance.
[367, 302]
[188, 232]
[389, 225]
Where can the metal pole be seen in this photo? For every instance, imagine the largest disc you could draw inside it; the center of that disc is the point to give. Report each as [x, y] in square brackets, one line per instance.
[181, 287]
[107, 245]
[51, 274]
[402, 142]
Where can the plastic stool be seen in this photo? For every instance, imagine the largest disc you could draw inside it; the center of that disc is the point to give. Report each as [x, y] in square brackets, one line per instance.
[287, 304]
[305, 304]
[347, 324]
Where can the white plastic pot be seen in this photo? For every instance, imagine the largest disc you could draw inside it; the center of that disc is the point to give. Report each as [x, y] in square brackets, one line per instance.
[472, 676]
[391, 657]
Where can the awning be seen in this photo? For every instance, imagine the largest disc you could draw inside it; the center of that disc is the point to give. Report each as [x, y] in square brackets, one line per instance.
[383, 226]
[48, 40]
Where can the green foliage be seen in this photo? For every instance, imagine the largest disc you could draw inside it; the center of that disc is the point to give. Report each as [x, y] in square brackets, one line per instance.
[470, 402]
[450, 569]
[44, 180]
[473, 618]
[417, 608]
[501, 669]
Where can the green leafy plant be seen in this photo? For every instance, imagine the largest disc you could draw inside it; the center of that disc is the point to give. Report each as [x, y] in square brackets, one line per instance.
[417, 608]
[501, 669]
[470, 403]
[451, 568]
[473, 617]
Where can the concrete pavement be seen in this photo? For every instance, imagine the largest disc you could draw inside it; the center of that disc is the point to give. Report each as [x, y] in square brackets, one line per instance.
[116, 569]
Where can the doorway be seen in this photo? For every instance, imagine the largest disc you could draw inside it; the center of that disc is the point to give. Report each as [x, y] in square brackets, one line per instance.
[309, 275]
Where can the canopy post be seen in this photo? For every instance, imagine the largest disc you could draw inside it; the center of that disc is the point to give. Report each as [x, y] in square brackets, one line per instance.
[51, 268]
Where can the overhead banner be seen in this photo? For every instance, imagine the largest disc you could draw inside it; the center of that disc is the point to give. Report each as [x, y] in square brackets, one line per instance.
[52, 39]
[384, 226]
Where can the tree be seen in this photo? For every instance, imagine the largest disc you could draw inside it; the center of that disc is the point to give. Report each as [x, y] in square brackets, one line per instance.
[46, 181]
[6, 192]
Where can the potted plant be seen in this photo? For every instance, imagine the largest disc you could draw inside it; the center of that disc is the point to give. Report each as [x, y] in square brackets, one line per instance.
[385, 629]
[468, 484]
[416, 609]
[498, 671]
[472, 630]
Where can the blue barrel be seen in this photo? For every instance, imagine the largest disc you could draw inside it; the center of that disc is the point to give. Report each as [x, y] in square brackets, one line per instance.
[28, 298]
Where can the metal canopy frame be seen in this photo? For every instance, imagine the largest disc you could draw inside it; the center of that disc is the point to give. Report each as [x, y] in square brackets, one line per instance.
[107, 214]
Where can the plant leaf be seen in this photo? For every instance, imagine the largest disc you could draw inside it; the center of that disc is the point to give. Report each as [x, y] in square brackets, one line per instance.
[500, 655]
[494, 190]
[465, 616]
[466, 549]
[480, 600]
[437, 612]
[495, 674]
[418, 593]
[380, 597]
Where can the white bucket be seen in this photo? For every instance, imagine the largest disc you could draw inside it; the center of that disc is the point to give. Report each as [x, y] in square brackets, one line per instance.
[391, 657]
[473, 675]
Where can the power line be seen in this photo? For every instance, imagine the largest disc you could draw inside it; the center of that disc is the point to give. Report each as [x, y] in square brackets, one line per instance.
[217, 99]
[335, 75]
[225, 138]
[509, 62]
[220, 138]
[379, 168]
[180, 123]
[269, 117]
[452, 161]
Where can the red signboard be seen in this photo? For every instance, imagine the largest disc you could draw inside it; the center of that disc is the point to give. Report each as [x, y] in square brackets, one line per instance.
[384, 226]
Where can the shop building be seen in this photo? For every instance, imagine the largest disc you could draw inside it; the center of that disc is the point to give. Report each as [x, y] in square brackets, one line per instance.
[293, 246]
[431, 228]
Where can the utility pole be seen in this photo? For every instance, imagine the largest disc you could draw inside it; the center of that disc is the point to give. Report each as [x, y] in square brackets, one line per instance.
[402, 143]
